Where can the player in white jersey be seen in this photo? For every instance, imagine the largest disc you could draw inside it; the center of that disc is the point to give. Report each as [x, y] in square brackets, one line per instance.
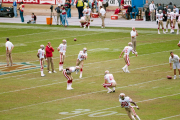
[41, 55]
[109, 82]
[168, 22]
[87, 14]
[173, 20]
[178, 22]
[175, 60]
[159, 17]
[80, 60]
[67, 73]
[62, 51]
[126, 103]
[126, 51]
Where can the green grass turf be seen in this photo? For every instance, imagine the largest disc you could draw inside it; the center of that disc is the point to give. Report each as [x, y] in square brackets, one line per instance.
[27, 96]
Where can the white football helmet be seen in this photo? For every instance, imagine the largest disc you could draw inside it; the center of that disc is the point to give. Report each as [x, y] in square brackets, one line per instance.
[130, 43]
[84, 50]
[121, 95]
[106, 72]
[42, 46]
[64, 41]
[160, 11]
[174, 10]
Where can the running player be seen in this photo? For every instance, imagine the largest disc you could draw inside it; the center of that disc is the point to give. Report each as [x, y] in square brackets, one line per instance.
[67, 73]
[126, 103]
[41, 55]
[175, 60]
[62, 51]
[80, 60]
[109, 82]
[160, 21]
[126, 51]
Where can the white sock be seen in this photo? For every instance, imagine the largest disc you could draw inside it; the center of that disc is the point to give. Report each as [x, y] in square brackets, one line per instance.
[109, 89]
[42, 73]
[133, 117]
[113, 88]
[125, 66]
[138, 117]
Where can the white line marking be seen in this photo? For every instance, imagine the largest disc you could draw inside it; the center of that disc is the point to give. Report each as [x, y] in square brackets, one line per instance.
[119, 106]
[78, 95]
[80, 79]
[169, 117]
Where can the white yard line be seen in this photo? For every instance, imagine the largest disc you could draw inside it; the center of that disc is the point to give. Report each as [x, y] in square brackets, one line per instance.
[169, 117]
[120, 106]
[75, 79]
[89, 63]
[79, 95]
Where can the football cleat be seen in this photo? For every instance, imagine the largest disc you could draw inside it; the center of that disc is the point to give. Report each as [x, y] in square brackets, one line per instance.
[49, 72]
[54, 71]
[43, 75]
[113, 90]
[123, 69]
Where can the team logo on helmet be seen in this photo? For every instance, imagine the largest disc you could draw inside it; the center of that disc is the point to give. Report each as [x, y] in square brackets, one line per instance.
[106, 72]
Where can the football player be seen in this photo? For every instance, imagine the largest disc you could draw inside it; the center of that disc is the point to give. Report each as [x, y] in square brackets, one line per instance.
[178, 22]
[109, 82]
[41, 55]
[67, 73]
[87, 14]
[126, 103]
[168, 22]
[175, 60]
[173, 20]
[126, 51]
[80, 60]
[159, 17]
[62, 51]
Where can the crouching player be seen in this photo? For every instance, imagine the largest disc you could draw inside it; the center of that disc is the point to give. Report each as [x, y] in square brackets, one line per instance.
[80, 60]
[41, 55]
[126, 103]
[175, 59]
[62, 51]
[109, 82]
[126, 51]
[67, 73]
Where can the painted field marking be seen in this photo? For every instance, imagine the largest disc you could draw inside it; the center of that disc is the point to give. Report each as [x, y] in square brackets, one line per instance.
[78, 79]
[75, 95]
[120, 106]
[169, 117]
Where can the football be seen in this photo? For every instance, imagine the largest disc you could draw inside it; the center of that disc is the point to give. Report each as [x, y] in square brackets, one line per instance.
[75, 39]
[169, 77]
[178, 44]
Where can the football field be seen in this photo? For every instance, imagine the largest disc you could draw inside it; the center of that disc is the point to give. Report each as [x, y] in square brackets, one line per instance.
[25, 95]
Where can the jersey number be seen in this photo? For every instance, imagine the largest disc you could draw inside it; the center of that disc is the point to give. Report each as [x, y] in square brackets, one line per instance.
[124, 103]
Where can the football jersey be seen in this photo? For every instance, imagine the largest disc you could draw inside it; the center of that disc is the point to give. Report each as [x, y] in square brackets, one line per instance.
[41, 53]
[127, 50]
[87, 11]
[168, 15]
[71, 70]
[175, 59]
[126, 102]
[109, 78]
[173, 15]
[178, 19]
[62, 48]
[159, 16]
[81, 55]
